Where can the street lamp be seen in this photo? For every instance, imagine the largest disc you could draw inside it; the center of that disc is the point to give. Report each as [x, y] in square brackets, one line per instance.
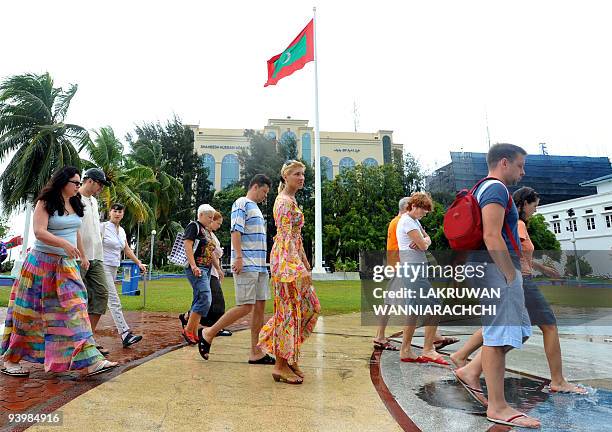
[571, 213]
[152, 246]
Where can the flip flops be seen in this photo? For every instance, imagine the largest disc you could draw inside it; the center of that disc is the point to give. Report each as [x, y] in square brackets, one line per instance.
[510, 421]
[190, 337]
[286, 379]
[265, 360]
[438, 360]
[15, 371]
[418, 359]
[385, 346]
[445, 342]
[477, 394]
[101, 367]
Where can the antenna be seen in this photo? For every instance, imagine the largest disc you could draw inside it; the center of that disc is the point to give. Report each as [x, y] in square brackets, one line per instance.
[355, 116]
[487, 124]
[543, 149]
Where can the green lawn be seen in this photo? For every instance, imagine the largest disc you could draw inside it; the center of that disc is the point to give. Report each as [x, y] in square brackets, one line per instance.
[174, 295]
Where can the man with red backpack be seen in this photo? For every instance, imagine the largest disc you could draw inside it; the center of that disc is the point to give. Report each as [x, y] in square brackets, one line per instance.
[510, 327]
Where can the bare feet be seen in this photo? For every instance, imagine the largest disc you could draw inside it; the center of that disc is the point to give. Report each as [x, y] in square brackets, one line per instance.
[472, 385]
[509, 415]
[295, 368]
[408, 354]
[565, 387]
[457, 361]
[286, 375]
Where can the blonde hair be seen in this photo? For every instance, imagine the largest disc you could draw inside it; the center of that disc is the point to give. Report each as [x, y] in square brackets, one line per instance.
[420, 200]
[286, 169]
[217, 216]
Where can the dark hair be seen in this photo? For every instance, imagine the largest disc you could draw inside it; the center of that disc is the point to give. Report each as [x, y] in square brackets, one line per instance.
[501, 151]
[51, 194]
[522, 196]
[117, 206]
[260, 180]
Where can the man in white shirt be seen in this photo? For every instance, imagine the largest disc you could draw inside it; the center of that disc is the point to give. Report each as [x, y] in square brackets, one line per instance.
[92, 269]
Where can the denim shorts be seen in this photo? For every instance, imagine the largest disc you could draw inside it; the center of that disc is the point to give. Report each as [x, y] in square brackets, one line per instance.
[202, 296]
[510, 326]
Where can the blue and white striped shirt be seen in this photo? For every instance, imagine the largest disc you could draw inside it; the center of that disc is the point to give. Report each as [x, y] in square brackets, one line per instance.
[248, 220]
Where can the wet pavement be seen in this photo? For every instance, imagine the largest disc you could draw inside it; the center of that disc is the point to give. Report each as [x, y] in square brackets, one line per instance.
[45, 392]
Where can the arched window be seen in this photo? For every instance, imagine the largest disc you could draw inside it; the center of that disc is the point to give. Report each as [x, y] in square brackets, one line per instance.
[229, 170]
[288, 136]
[327, 167]
[370, 162]
[387, 153]
[208, 161]
[346, 163]
[270, 134]
[306, 152]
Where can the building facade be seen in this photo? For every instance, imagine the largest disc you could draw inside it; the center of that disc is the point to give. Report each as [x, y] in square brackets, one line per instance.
[556, 178]
[591, 224]
[339, 150]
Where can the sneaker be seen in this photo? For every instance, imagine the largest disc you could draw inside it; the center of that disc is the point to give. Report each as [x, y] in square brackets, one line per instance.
[130, 339]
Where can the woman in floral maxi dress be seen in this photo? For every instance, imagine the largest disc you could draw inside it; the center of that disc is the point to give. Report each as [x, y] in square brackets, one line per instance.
[296, 305]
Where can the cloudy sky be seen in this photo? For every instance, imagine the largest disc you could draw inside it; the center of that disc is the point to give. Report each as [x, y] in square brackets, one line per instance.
[430, 71]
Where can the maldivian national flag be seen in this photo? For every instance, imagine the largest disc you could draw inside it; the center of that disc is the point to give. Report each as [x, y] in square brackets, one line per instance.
[298, 53]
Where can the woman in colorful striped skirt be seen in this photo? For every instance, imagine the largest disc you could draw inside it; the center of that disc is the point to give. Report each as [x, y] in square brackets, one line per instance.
[47, 319]
[296, 305]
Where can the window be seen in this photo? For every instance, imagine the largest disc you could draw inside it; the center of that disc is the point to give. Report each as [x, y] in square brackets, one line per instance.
[229, 170]
[370, 162]
[609, 208]
[572, 225]
[590, 223]
[208, 161]
[557, 227]
[306, 152]
[589, 211]
[608, 221]
[270, 134]
[326, 168]
[555, 216]
[387, 153]
[346, 163]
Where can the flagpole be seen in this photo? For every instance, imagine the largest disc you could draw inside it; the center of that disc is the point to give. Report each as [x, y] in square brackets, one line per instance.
[318, 258]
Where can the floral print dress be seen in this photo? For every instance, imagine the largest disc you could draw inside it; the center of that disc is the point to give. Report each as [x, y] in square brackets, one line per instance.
[296, 306]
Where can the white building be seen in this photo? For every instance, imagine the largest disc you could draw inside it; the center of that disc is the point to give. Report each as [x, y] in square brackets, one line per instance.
[591, 223]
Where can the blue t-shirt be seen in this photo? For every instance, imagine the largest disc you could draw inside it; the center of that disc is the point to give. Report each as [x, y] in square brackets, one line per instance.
[248, 220]
[495, 192]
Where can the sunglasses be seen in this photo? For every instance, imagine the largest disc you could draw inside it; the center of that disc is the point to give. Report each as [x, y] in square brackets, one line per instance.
[75, 182]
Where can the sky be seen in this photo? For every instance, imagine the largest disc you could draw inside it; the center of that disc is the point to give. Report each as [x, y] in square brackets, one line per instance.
[433, 72]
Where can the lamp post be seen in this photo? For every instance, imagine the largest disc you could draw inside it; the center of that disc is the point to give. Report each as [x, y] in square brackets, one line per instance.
[152, 246]
[571, 213]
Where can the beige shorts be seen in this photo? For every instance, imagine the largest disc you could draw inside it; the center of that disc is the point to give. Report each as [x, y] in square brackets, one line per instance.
[251, 287]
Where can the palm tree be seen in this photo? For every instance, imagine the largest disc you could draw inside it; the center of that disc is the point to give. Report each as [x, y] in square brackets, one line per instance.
[161, 195]
[32, 125]
[127, 179]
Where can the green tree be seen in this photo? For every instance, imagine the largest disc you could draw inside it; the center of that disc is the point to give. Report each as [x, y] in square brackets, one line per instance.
[222, 202]
[106, 153]
[542, 237]
[433, 224]
[33, 125]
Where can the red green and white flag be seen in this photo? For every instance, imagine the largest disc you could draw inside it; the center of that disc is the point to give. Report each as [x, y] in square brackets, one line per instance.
[294, 57]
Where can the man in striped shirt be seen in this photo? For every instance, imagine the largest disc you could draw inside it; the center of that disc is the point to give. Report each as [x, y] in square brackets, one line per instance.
[249, 251]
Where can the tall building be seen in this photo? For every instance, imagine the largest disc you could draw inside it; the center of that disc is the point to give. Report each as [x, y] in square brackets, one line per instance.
[556, 178]
[339, 150]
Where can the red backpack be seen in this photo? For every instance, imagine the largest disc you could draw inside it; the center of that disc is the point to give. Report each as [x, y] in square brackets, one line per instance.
[463, 221]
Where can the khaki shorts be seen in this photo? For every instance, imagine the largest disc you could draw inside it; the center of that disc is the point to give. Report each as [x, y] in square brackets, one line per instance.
[250, 287]
[97, 292]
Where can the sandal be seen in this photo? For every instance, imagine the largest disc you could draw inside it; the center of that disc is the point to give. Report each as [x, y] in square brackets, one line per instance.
[438, 360]
[286, 379]
[445, 342]
[203, 346]
[102, 350]
[296, 370]
[183, 320]
[385, 346]
[190, 337]
[15, 371]
[101, 367]
[265, 360]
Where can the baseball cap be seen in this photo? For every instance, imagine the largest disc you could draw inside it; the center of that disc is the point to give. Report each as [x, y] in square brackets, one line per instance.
[96, 174]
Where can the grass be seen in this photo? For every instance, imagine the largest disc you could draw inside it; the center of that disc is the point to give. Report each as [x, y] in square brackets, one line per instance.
[174, 295]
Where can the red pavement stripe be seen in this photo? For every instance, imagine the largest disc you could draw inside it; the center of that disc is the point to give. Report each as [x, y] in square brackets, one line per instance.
[391, 404]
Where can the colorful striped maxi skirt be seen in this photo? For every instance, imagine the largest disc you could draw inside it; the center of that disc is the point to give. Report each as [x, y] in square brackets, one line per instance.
[296, 309]
[47, 320]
